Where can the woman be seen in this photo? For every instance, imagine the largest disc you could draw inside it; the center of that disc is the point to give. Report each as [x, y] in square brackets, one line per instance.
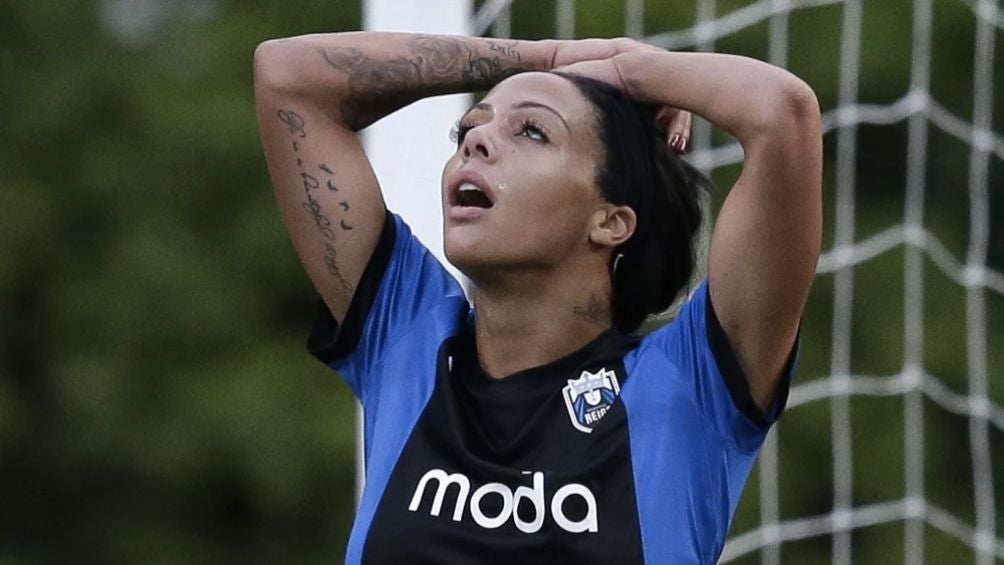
[534, 427]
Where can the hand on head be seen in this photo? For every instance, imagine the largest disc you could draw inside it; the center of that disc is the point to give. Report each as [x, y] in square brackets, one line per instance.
[571, 51]
[587, 61]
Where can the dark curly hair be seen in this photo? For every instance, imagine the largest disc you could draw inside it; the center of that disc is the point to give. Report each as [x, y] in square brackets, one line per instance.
[640, 171]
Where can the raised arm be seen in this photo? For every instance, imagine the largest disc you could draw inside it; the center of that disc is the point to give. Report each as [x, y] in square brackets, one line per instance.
[315, 92]
[766, 239]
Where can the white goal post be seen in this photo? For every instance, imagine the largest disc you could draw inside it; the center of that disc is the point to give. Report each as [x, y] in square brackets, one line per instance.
[408, 148]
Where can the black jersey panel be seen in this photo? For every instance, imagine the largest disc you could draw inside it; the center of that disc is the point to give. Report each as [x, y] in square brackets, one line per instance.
[330, 340]
[539, 491]
[705, 365]
[734, 377]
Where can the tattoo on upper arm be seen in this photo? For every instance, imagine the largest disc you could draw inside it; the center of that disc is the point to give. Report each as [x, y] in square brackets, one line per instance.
[310, 182]
[326, 226]
[434, 65]
[294, 122]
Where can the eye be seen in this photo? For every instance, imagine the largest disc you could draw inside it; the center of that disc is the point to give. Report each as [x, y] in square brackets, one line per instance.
[533, 130]
[459, 131]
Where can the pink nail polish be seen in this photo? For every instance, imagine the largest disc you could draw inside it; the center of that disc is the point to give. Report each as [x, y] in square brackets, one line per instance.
[674, 140]
[683, 144]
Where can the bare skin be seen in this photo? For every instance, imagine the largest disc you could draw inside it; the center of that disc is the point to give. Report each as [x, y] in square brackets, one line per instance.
[314, 92]
[539, 256]
[767, 235]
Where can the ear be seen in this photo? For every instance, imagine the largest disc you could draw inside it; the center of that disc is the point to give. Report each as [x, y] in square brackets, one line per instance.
[612, 225]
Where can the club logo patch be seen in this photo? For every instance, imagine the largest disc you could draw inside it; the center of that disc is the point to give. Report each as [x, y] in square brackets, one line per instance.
[589, 397]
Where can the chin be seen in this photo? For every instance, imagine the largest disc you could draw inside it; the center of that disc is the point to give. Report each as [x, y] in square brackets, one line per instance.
[463, 255]
[474, 260]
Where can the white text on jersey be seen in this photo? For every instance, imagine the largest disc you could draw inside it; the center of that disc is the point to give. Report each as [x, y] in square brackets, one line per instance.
[510, 501]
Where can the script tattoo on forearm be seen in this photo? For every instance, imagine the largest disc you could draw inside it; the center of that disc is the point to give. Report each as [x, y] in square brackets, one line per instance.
[326, 226]
[434, 65]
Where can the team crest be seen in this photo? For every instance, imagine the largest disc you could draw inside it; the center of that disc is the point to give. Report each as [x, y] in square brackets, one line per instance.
[589, 397]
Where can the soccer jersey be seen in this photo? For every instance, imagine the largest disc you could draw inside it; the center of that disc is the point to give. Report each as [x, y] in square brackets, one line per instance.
[629, 450]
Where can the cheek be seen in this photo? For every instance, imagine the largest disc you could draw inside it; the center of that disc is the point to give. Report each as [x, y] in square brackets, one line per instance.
[553, 215]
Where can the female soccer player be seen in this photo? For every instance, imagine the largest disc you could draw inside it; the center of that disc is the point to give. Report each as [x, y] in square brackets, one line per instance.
[533, 427]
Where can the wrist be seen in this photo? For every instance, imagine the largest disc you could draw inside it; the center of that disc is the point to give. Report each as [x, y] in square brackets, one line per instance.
[541, 54]
[627, 66]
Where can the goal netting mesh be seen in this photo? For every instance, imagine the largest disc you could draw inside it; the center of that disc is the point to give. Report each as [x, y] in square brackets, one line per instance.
[892, 449]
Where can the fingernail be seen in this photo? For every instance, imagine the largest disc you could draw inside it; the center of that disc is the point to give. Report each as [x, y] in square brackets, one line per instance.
[674, 141]
[683, 144]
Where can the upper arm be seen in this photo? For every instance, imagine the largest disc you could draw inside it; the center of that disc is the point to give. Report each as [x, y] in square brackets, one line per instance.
[766, 240]
[327, 192]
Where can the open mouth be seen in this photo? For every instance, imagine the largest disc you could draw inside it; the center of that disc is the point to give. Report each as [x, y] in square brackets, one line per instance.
[469, 195]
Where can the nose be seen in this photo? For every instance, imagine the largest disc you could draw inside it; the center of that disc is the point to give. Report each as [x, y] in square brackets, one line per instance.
[478, 144]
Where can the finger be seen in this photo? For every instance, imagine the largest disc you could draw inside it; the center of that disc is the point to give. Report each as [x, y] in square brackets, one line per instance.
[687, 128]
[601, 70]
[678, 129]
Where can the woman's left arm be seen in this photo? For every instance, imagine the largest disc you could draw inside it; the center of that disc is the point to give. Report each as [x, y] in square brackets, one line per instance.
[766, 240]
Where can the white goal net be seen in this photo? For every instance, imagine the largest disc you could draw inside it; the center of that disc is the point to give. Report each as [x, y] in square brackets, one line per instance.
[892, 449]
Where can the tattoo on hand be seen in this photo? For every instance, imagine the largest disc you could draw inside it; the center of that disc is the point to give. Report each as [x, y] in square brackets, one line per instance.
[325, 168]
[332, 187]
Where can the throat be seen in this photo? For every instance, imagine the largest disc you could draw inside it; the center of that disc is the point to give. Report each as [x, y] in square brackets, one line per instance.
[512, 339]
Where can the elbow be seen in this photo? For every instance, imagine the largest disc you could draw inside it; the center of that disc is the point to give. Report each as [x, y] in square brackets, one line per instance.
[786, 111]
[793, 106]
[799, 101]
[275, 65]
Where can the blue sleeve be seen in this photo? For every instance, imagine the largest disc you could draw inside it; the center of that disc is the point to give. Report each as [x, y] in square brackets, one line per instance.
[403, 284]
[696, 343]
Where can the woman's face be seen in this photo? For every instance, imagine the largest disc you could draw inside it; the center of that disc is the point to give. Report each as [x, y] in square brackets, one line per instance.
[520, 192]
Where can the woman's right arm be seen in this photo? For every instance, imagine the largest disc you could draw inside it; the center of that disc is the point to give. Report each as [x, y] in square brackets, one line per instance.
[313, 94]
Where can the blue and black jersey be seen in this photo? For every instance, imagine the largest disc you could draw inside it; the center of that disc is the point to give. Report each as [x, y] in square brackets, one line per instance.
[629, 450]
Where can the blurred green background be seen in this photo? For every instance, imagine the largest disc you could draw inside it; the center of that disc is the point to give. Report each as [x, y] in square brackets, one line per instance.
[156, 401]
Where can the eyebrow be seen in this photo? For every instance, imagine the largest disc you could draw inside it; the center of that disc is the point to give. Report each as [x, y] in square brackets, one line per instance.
[529, 104]
[485, 107]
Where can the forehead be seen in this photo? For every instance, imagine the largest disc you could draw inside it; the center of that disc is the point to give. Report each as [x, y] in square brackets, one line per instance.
[544, 88]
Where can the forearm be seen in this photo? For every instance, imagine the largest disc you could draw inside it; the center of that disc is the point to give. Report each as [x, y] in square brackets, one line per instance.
[360, 77]
[746, 97]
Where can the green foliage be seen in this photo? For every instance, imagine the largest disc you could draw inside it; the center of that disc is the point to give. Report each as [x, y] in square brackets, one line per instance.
[157, 404]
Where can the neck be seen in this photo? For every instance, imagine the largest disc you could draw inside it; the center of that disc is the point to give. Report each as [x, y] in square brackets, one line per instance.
[532, 319]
